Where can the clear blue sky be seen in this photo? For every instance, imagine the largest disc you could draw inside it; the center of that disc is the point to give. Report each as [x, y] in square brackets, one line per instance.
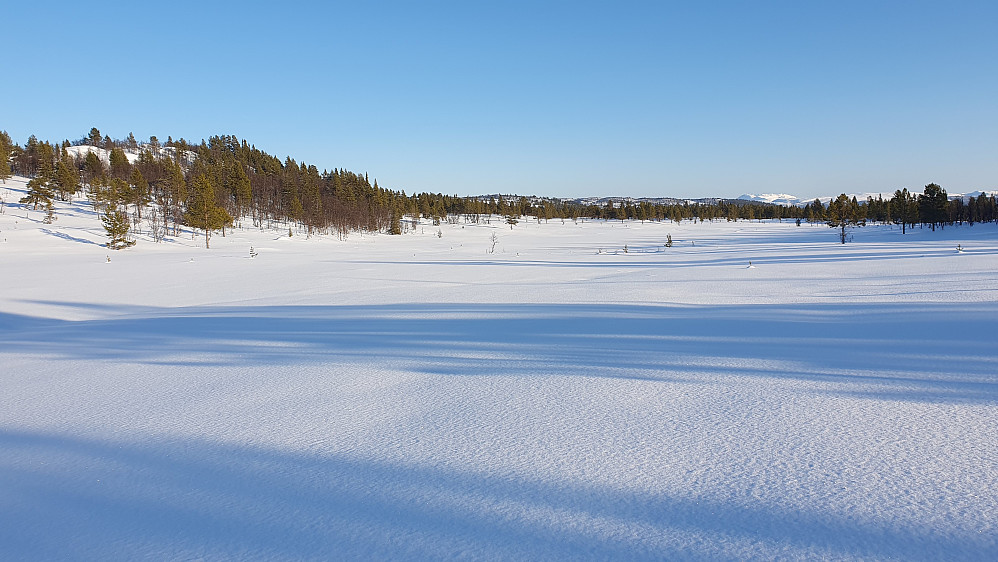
[696, 98]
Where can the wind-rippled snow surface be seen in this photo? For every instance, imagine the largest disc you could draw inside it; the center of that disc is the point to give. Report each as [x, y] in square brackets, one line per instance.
[417, 397]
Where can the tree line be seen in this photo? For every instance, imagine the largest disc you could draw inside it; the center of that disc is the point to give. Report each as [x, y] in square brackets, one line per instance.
[224, 181]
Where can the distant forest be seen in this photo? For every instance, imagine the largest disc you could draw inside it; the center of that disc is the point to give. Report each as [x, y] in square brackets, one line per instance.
[224, 181]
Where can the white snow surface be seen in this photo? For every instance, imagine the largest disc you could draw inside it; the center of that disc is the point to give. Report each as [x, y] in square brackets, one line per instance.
[417, 397]
[80, 151]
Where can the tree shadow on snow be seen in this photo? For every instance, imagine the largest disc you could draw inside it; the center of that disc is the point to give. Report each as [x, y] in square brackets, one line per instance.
[67, 497]
[919, 352]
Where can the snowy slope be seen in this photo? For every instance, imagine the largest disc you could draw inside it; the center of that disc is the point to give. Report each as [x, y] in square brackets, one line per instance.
[418, 397]
[81, 151]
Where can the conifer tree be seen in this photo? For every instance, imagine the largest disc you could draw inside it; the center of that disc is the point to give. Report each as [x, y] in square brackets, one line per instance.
[5, 148]
[202, 211]
[932, 206]
[67, 180]
[39, 193]
[844, 212]
[93, 168]
[138, 193]
[175, 193]
[902, 208]
[240, 187]
[120, 168]
[116, 224]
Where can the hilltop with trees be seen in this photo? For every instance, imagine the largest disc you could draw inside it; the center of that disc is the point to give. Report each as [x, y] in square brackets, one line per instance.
[224, 181]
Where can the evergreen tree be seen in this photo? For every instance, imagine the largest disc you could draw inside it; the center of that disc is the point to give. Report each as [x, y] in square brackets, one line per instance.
[844, 212]
[120, 168]
[93, 168]
[115, 221]
[5, 148]
[819, 209]
[45, 161]
[933, 206]
[202, 211]
[240, 188]
[902, 208]
[175, 193]
[138, 193]
[67, 180]
[39, 193]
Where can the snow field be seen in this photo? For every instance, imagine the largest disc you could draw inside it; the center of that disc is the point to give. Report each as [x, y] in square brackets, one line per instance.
[418, 397]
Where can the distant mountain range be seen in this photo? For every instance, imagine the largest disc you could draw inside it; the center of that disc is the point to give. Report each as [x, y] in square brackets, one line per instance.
[783, 199]
[794, 201]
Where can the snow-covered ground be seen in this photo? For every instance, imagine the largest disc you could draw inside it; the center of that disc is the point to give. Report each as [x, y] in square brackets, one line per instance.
[419, 397]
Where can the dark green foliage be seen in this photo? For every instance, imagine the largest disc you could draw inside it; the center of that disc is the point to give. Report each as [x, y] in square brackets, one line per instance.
[202, 211]
[903, 209]
[67, 180]
[5, 150]
[933, 206]
[120, 168]
[138, 191]
[40, 192]
[116, 224]
[844, 212]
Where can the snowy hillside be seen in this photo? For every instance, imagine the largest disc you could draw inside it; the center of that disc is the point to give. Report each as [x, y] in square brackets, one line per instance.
[547, 396]
[80, 151]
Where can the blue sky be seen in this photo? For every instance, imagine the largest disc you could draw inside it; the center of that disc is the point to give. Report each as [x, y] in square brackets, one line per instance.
[689, 99]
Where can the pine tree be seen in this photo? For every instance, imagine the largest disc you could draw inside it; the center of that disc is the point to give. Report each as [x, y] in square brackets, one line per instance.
[901, 208]
[844, 212]
[116, 224]
[67, 180]
[175, 193]
[40, 193]
[138, 193]
[933, 206]
[240, 187]
[120, 168]
[202, 211]
[93, 168]
[5, 147]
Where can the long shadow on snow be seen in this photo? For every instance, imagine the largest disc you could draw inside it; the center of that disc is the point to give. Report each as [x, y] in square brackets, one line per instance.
[921, 352]
[66, 496]
[719, 258]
